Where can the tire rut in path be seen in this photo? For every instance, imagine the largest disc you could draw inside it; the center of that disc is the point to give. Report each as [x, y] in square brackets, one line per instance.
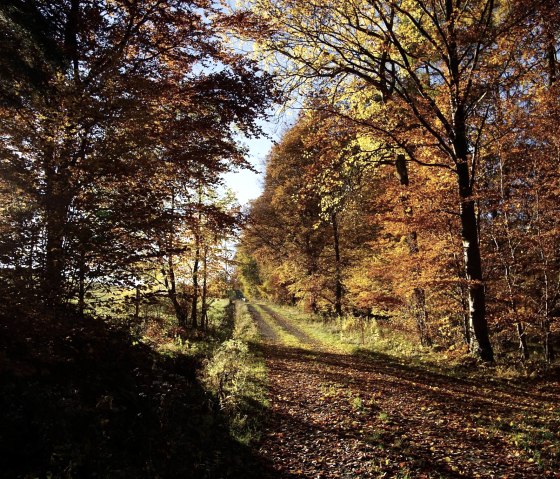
[287, 326]
[266, 332]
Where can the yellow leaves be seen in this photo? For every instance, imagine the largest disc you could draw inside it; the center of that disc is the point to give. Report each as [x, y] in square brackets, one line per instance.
[368, 143]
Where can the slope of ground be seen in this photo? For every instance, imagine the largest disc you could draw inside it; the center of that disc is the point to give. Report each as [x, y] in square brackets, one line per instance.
[346, 416]
[79, 399]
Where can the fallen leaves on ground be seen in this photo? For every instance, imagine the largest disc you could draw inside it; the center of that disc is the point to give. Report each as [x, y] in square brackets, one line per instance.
[349, 416]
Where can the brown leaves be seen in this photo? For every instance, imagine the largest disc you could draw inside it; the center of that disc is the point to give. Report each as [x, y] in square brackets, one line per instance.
[338, 416]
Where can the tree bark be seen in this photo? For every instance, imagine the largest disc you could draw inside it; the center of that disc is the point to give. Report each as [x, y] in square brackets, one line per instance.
[473, 264]
[338, 273]
[480, 341]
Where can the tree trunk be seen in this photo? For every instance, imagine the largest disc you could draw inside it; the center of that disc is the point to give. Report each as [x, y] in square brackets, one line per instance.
[82, 283]
[170, 282]
[203, 299]
[137, 305]
[194, 306]
[461, 290]
[473, 264]
[54, 260]
[56, 204]
[421, 315]
[549, 353]
[172, 293]
[519, 326]
[467, 331]
[338, 273]
[522, 341]
[551, 57]
[480, 341]
[57, 198]
[31, 261]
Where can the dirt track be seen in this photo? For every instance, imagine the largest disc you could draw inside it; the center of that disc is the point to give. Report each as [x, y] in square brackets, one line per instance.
[344, 416]
[265, 330]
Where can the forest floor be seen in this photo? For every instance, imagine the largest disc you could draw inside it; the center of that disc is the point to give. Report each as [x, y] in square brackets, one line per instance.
[340, 415]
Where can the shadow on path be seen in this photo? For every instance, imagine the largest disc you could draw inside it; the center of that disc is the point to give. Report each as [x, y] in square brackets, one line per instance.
[362, 416]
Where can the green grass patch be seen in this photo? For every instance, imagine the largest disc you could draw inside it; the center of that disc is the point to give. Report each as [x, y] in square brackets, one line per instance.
[236, 374]
[351, 335]
[327, 334]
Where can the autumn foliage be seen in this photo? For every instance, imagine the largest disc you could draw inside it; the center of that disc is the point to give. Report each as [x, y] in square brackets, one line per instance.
[118, 121]
[421, 181]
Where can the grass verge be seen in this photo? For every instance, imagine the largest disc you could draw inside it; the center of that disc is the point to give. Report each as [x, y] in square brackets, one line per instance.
[236, 374]
[328, 334]
[351, 335]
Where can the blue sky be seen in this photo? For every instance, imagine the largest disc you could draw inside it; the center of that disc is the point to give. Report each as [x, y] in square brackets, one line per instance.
[248, 185]
[245, 184]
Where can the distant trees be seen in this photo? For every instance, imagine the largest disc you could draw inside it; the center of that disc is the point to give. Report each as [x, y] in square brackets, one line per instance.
[302, 230]
[189, 256]
[111, 113]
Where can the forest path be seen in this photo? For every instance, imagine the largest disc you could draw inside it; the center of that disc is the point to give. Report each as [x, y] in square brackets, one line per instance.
[334, 415]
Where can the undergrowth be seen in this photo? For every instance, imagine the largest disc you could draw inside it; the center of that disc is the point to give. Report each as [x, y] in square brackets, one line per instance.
[354, 335]
[80, 398]
[236, 374]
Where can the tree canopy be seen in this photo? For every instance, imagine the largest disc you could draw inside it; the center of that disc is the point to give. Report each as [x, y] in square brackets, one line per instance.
[120, 106]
